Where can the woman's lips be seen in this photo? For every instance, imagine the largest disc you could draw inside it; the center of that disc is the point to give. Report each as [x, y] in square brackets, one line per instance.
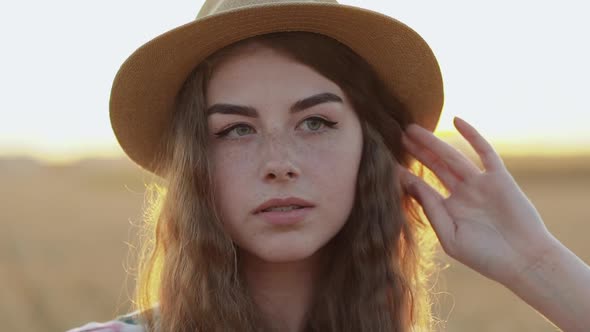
[274, 202]
[284, 217]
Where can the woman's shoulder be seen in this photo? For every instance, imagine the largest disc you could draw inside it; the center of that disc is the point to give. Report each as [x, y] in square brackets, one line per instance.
[129, 322]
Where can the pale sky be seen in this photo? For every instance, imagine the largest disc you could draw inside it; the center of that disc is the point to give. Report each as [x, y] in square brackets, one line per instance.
[517, 70]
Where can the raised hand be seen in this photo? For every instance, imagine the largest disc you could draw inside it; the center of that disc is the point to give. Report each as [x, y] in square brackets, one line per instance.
[487, 222]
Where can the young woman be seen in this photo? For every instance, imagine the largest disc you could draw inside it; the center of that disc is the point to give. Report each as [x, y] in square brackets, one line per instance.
[287, 141]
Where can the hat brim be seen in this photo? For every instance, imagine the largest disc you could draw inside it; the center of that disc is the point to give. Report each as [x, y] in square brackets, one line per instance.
[144, 90]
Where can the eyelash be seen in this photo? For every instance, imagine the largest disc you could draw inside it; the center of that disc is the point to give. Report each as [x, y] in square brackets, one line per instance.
[327, 123]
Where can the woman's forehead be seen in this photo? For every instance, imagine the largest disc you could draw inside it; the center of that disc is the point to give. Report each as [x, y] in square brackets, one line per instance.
[267, 77]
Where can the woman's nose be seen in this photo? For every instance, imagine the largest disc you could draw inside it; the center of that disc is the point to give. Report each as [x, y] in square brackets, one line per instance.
[278, 163]
[280, 171]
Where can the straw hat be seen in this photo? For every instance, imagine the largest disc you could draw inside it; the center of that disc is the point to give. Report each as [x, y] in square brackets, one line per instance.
[145, 87]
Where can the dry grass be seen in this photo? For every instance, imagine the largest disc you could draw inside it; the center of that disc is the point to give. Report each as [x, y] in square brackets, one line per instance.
[64, 251]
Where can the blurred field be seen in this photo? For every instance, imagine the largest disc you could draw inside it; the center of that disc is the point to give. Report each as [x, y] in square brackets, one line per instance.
[65, 229]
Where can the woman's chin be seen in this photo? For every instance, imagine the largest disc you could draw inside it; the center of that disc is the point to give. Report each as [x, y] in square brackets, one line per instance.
[284, 254]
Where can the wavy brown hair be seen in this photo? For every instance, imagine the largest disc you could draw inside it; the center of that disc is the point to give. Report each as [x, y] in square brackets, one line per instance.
[380, 261]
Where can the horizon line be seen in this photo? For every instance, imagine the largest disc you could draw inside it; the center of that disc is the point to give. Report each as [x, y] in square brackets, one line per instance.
[508, 150]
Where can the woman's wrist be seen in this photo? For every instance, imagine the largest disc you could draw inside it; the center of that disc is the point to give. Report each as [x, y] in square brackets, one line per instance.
[556, 285]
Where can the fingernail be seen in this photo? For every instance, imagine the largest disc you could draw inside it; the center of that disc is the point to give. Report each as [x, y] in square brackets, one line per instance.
[413, 128]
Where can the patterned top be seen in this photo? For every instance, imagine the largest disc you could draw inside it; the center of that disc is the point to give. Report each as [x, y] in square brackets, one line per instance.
[125, 323]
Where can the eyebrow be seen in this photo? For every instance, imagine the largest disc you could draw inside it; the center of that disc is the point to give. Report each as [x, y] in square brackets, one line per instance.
[298, 106]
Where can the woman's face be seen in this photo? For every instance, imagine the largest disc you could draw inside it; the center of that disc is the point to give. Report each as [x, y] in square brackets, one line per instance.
[278, 147]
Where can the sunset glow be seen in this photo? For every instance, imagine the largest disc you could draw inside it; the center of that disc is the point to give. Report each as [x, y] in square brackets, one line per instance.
[522, 83]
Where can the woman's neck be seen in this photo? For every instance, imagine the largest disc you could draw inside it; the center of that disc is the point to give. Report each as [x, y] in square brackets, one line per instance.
[283, 291]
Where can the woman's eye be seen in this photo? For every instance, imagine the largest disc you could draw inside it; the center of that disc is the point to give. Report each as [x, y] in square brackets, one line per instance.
[314, 124]
[239, 130]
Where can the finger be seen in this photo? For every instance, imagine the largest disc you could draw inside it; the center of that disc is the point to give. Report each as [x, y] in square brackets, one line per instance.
[434, 162]
[455, 160]
[432, 204]
[489, 157]
[407, 179]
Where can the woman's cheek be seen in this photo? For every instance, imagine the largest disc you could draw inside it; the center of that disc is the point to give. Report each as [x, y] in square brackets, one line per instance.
[231, 166]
